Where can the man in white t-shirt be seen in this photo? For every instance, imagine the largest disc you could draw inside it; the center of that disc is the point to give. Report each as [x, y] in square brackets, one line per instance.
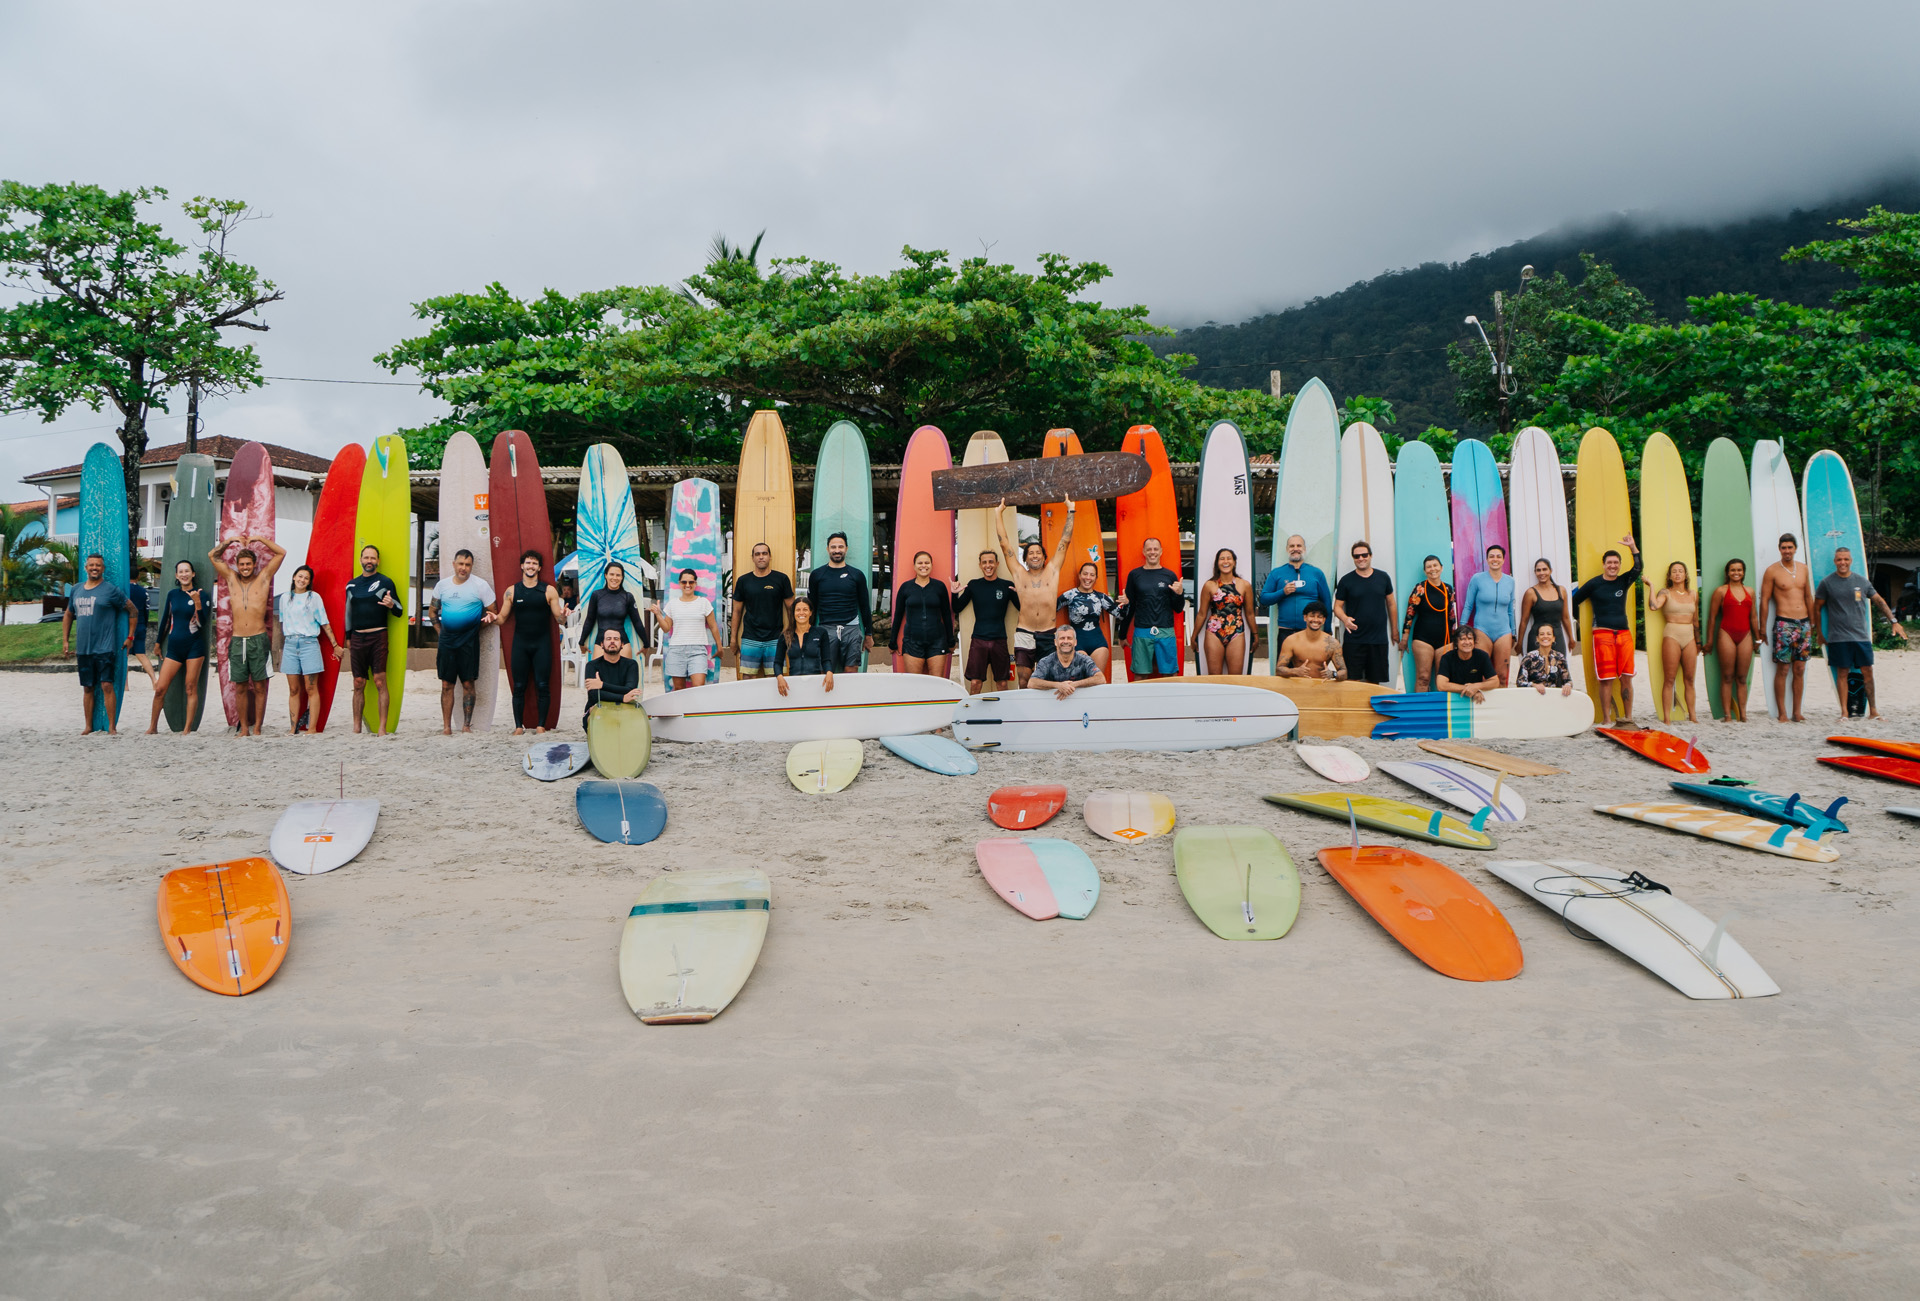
[691, 633]
[462, 606]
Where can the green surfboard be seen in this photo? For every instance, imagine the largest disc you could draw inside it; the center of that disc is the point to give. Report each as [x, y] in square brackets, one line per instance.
[192, 516]
[1240, 881]
[386, 511]
[843, 502]
[1726, 534]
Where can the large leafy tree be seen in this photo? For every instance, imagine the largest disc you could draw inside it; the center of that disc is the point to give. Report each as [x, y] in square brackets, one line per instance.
[112, 309]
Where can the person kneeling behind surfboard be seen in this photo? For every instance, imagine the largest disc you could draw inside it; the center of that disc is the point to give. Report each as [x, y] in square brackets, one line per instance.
[1312, 653]
[1067, 667]
[611, 676]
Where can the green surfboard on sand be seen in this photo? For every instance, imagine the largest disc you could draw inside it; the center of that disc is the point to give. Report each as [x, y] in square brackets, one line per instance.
[1240, 881]
[1726, 534]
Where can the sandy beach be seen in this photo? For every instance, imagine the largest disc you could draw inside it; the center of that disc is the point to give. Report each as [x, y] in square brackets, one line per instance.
[921, 1094]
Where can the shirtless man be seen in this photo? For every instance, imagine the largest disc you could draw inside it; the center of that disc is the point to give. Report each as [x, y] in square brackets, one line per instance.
[1037, 581]
[249, 596]
[1312, 653]
[1789, 638]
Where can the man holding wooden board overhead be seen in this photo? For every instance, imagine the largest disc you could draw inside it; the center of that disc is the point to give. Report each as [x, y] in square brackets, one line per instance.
[1036, 578]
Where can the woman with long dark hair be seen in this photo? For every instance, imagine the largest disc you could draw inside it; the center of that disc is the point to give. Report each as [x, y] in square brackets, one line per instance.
[182, 638]
[1428, 629]
[1220, 643]
[1730, 629]
[806, 650]
[923, 636]
[303, 619]
[1087, 605]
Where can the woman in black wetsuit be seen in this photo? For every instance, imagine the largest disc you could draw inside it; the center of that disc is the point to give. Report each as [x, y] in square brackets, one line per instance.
[805, 650]
[923, 635]
[1545, 605]
[182, 639]
[613, 606]
[533, 606]
[1429, 625]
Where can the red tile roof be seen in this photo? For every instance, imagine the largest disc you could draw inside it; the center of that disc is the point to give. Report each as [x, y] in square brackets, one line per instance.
[38, 506]
[220, 449]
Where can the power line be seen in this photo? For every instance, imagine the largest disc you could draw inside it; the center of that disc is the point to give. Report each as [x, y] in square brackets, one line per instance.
[376, 383]
[291, 379]
[1297, 361]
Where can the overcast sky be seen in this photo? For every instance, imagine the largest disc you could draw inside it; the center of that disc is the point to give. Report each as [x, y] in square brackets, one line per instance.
[1223, 159]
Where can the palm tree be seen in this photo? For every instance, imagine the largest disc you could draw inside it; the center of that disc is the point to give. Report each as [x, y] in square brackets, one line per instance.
[21, 576]
[723, 251]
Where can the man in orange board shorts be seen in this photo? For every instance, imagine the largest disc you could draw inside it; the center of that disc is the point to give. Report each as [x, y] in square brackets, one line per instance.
[1612, 648]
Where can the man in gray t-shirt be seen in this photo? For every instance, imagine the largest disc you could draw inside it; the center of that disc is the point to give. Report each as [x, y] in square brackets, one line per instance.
[92, 630]
[1067, 667]
[1846, 601]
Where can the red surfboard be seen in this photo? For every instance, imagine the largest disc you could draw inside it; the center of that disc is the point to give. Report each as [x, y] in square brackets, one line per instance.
[1663, 748]
[1898, 749]
[517, 519]
[330, 554]
[1874, 765]
[1022, 808]
[1153, 512]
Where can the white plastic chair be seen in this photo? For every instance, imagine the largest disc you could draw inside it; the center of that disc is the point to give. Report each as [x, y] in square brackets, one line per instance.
[570, 653]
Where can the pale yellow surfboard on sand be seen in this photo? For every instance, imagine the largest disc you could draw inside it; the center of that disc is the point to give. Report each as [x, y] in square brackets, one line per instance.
[691, 941]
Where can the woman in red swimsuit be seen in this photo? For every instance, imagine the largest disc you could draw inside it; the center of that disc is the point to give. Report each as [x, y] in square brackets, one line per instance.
[1730, 632]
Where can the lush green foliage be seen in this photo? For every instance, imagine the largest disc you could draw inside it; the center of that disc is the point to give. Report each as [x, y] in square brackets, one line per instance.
[114, 310]
[21, 576]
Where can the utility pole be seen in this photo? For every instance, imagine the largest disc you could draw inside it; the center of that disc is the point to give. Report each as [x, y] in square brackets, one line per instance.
[193, 416]
[1498, 347]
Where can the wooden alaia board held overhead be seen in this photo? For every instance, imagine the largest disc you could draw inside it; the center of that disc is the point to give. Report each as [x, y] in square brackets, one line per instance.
[1088, 476]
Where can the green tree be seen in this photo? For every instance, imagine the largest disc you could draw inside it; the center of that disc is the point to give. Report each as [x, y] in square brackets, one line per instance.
[1377, 412]
[114, 310]
[21, 543]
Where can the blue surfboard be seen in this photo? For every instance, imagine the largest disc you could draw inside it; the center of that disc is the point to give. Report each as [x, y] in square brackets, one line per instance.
[934, 753]
[1422, 527]
[1774, 808]
[103, 528]
[1070, 874]
[621, 812]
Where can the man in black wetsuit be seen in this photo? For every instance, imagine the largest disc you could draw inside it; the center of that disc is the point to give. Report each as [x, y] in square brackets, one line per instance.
[370, 596]
[611, 676]
[839, 594]
[1612, 647]
[989, 595]
[1153, 596]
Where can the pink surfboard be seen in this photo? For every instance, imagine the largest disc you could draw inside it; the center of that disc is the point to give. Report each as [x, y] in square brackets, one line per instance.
[1011, 868]
[1479, 513]
[246, 511]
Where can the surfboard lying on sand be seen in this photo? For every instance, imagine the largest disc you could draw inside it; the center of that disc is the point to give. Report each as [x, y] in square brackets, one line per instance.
[1162, 715]
[1327, 709]
[1334, 762]
[1512, 713]
[551, 760]
[1727, 827]
[934, 753]
[1461, 785]
[824, 767]
[619, 739]
[1022, 808]
[1239, 881]
[1875, 765]
[1663, 748]
[316, 836]
[1040, 876]
[691, 941]
[227, 926]
[1904, 812]
[1894, 749]
[1481, 757]
[1128, 817]
[1089, 476]
[1437, 914]
[1765, 804]
[1643, 920]
[1396, 816]
[861, 707]
[620, 812]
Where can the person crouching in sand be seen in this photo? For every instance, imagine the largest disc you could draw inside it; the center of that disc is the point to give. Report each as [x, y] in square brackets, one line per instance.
[1312, 653]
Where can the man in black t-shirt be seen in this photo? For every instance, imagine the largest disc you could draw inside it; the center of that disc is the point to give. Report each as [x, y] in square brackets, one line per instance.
[761, 600]
[1465, 670]
[1363, 602]
[371, 598]
[1152, 598]
[989, 595]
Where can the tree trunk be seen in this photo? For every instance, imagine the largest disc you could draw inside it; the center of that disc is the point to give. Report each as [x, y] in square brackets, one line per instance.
[133, 437]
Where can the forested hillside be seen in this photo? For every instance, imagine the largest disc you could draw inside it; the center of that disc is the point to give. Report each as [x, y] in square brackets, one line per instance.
[1387, 337]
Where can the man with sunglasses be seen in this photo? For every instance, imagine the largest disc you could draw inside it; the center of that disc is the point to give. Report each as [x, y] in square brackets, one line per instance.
[1363, 603]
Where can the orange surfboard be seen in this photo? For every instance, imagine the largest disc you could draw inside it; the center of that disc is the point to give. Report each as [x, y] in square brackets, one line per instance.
[1898, 749]
[1663, 748]
[226, 925]
[1021, 808]
[1153, 512]
[1430, 908]
[1087, 543]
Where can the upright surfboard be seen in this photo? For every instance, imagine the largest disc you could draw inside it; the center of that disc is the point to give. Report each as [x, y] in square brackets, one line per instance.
[1223, 519]
[1537, 517]
[1479, 512]
[763, 496]
[464, 526]
[976, 534]
[191, 516]
[386, 509]
[606, 529]
[1087, 545]
[1307, 498]
[517, 520]
[1153, 512]
[1603, 515]
[917, 526]
[1666, 538]
[694, 541]
[1514, 713]
[245, 512]
[1422, 527]
[227, 926]
[103, 528]
[1833, 521]
[1726, 535]
[1776, 510]
[330, 554]
[1366, 512]
[691, 941]
[842, 503]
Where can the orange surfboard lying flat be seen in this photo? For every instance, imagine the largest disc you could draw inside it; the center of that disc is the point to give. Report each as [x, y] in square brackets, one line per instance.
[1662, 747]
[1022, 808]
[1430, 908]
[226, 925]
[1898, 749]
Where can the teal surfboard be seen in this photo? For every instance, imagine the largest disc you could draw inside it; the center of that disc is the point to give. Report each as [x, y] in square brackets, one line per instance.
[1775, 808]
[1070, 874]
[605, 527]
[103, 528]
[1726, 534]
[192, 514]
[843, 501]
[1422, 526]
[1833, 521]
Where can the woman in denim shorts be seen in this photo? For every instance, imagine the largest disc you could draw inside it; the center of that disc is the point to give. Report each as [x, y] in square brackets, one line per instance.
[303, 619]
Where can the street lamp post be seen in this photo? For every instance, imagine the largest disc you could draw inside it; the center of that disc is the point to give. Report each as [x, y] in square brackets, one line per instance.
[1498, 347]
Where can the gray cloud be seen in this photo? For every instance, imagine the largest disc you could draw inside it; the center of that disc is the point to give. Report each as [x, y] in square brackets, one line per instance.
[1223, 159]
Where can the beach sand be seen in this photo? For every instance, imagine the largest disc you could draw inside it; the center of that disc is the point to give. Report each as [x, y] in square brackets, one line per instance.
[920, 1093]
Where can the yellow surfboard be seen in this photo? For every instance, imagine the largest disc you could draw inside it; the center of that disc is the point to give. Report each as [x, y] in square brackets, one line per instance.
[763, 498]
[1603, 515]
[977, 534]
[1666, 536]
[383, 520]
[691, 940]
[823, 767]
[619, 740]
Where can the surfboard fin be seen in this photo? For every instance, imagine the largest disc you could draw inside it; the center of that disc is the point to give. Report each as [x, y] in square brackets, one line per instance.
[1833, 809]
[1354, 823]
[1793, 801]
[1779, 838]
[1712, 951]
[1479, 822]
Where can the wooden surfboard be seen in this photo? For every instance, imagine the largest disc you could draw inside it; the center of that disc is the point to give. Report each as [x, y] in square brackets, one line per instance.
[763, 499]
[1481, 757]
[1437, 914]
[1091, 475]
[226, 925]
[692, 939]
[331, 556]
[1327, 709]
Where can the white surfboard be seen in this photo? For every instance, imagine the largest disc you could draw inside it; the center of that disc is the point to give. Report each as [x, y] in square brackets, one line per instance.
[1132, 716]
[319, 835]
[691, 941]
[1461, 785]
[1306, 500]
[463, 527]
[1224, 519]
[1334, 762]
[1675, 942]
[1904, 812]
[1776, 510]
[861, 707]
[1537, 521]
[1366, 514]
